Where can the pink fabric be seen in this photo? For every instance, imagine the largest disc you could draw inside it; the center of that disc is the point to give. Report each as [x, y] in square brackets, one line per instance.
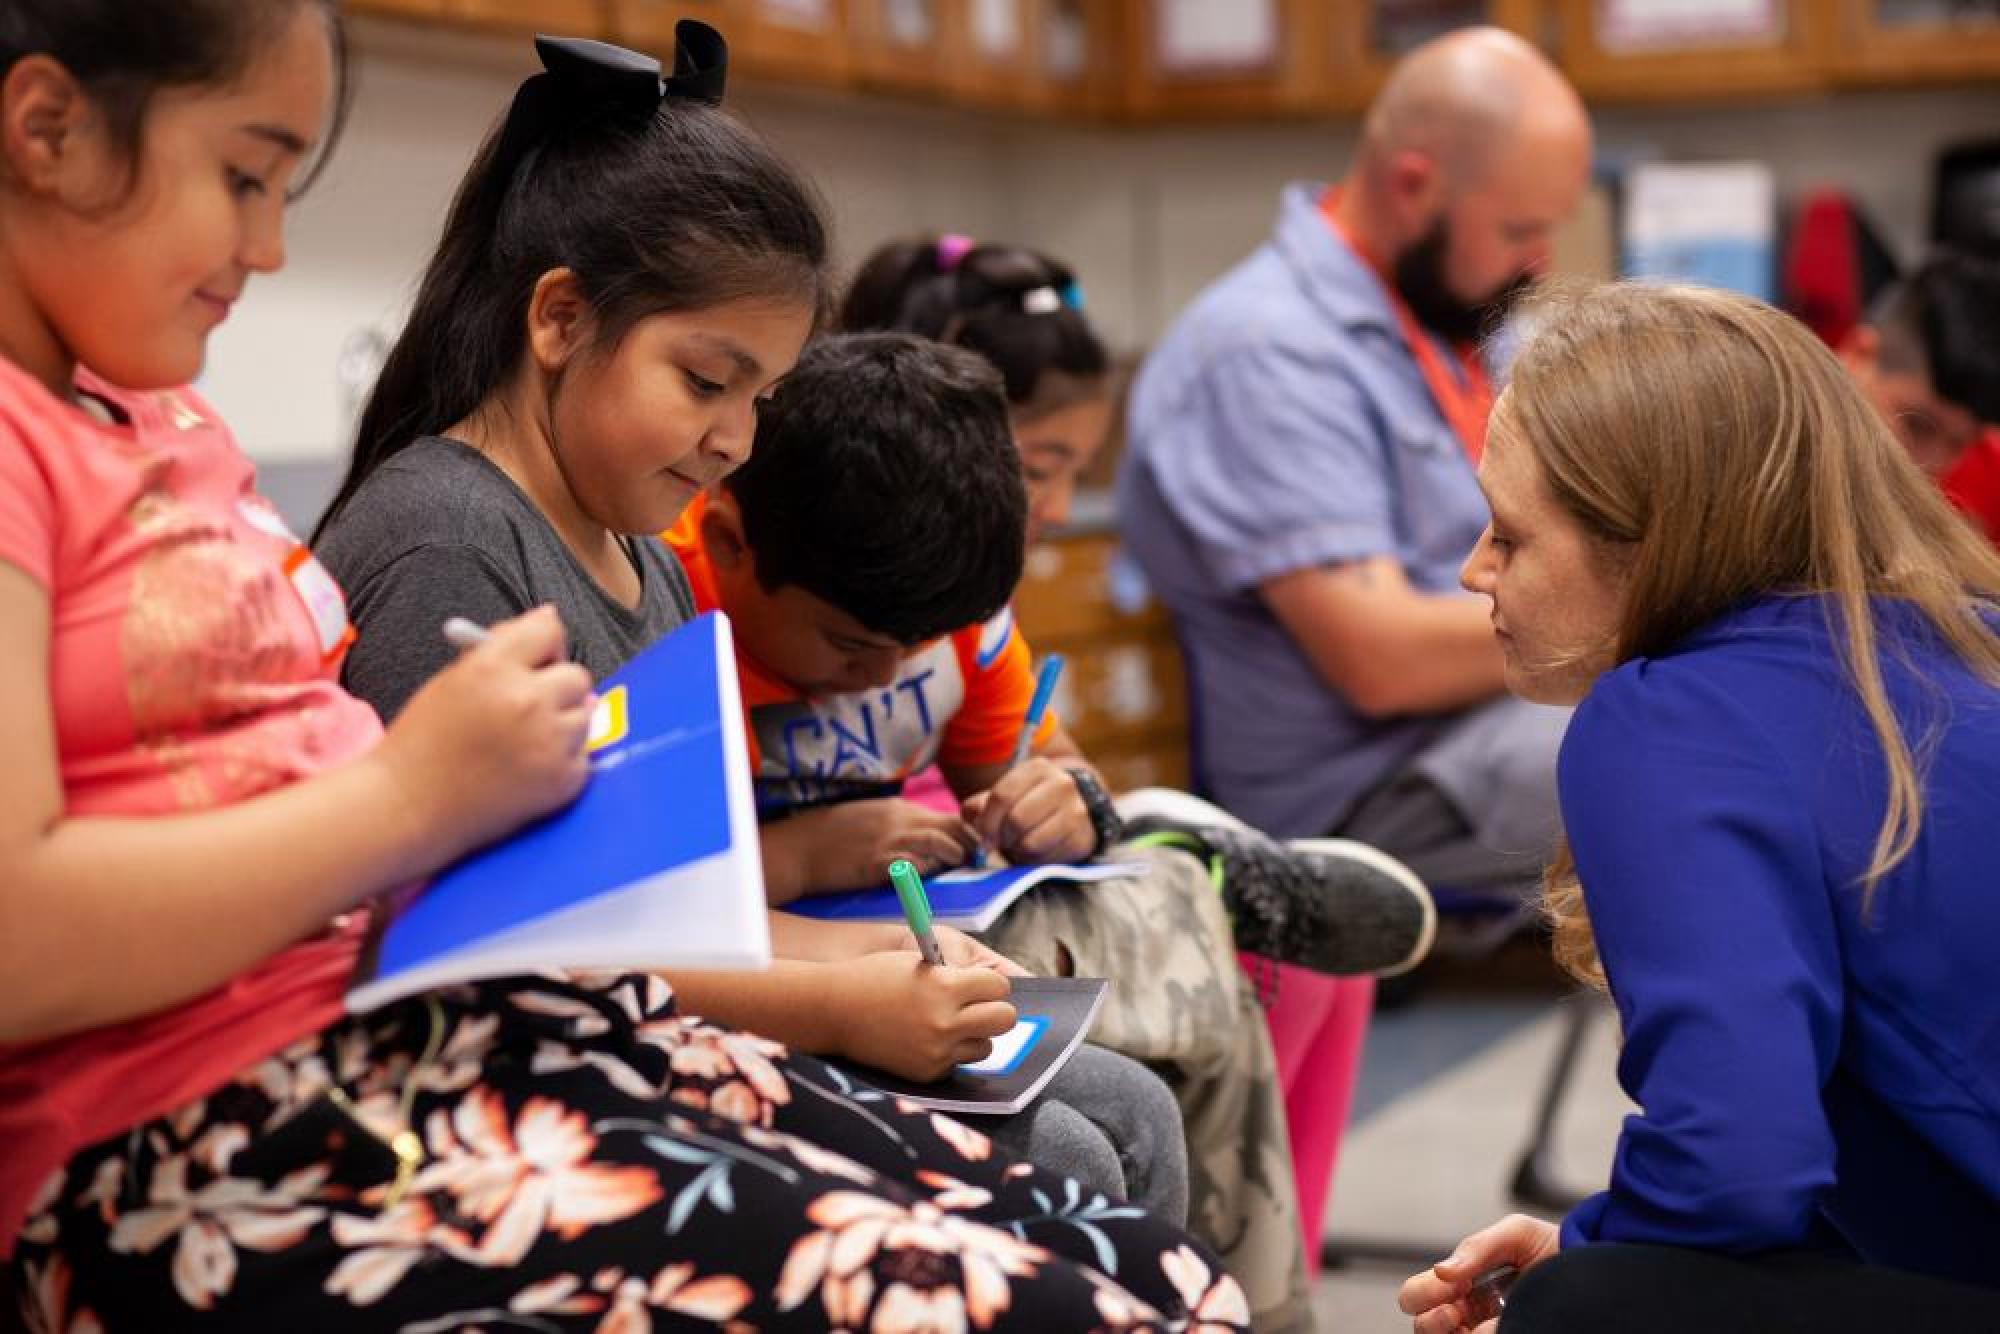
[1317, 1029]
[192, 664]
[928, 788]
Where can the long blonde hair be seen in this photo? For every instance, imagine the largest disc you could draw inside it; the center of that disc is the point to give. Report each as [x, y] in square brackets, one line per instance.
[1717, 451]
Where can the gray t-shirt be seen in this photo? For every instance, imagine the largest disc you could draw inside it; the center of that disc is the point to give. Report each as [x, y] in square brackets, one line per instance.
[439, 531]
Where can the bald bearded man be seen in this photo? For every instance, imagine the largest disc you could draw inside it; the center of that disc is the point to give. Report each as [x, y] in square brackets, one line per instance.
[1298, 483]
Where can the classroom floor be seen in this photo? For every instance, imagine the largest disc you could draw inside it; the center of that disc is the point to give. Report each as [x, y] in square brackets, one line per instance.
[1449, 1086]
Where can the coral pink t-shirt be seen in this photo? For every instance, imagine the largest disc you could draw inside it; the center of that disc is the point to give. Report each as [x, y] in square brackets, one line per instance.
[193, 652]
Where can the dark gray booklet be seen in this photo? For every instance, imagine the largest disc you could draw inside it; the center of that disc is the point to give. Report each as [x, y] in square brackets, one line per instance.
[1053, 1015]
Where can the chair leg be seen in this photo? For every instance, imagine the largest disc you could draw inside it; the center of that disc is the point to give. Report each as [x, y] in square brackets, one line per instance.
[1534, 1184]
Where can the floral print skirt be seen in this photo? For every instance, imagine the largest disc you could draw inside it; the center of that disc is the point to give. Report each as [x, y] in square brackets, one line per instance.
[584, 1158]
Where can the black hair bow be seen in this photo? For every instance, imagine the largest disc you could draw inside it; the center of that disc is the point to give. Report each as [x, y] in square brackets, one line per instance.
[583, 79]
[600, 72]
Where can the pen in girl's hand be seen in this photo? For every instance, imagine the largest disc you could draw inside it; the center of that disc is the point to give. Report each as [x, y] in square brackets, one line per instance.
[463, 634]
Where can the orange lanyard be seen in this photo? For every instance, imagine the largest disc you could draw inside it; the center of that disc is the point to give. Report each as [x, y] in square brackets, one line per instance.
[1465, 399]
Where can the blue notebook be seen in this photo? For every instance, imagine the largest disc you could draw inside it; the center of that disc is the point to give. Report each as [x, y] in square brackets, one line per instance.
[654, 866]
[967, 899]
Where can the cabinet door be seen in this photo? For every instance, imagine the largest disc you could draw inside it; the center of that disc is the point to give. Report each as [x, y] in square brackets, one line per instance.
[791, 41]
[1692, 50]
[995, 53]
[1371, 36]
[1189, 58]
[1077, 53]
[1908, 41]
[798, 41]
[900, 45]
[402, 9]
[559, 18]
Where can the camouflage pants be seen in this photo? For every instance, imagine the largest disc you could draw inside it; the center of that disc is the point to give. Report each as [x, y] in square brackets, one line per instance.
[1180, 1003]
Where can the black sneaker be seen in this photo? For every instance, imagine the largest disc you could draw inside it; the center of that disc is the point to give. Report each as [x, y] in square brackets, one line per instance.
[1328, 904]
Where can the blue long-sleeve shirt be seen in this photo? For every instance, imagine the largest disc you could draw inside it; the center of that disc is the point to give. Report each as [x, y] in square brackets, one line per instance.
[1812, 1073]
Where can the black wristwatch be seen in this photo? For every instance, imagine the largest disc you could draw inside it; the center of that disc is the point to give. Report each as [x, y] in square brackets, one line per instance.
[1103, 815]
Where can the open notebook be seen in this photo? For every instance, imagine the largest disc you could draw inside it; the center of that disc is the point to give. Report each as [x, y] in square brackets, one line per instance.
[968, 899]
[655, 865]
[1053, 1015]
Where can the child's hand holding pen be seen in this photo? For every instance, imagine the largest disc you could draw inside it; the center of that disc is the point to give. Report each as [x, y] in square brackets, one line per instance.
[1034, 812]
[921, 1017]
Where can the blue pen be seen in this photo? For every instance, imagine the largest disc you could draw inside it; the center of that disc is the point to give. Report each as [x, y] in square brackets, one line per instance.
[1045, 689]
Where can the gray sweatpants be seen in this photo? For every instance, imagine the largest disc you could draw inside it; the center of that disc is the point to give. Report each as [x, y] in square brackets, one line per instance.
[1476, 809]
[1109, 1122]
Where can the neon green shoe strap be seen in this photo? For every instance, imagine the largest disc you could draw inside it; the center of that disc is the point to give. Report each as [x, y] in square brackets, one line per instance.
[1170, 838]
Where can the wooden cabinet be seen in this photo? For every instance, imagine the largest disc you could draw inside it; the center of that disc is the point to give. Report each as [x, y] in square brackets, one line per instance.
[790, 41]
[1186, 59]
[1124, 695]
[401, 9]
[901, 46]
[1909, 41]
[558, 18]
[1648, 51]
[1051, 56]
[565, 18]
[1370, 36]
[1154, 61]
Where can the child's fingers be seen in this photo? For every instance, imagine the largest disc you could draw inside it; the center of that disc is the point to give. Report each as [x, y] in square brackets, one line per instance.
[956, 828]
[987, 1019]
[567, 685]
[970, 986]
[1047, 819]
[970, 1050]
[931, 850]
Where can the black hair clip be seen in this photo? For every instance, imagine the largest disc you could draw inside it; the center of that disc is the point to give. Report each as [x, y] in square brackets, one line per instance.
[583, 78]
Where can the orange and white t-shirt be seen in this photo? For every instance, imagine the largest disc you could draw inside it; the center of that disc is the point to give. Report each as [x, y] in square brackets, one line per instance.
[958, 701]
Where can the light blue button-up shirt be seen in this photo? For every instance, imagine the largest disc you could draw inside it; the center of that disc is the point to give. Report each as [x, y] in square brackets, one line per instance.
[1282, 424]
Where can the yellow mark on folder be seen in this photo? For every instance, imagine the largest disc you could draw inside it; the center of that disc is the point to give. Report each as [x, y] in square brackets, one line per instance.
[610, 720]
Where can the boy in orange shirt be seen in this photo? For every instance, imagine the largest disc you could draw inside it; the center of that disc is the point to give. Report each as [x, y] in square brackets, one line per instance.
[865, 555]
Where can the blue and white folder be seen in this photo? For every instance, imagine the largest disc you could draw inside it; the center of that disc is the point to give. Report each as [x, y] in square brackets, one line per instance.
[971, 900]
[654, 866]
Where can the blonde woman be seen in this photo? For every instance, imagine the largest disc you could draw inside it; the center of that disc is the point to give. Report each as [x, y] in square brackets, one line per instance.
[1781, 796]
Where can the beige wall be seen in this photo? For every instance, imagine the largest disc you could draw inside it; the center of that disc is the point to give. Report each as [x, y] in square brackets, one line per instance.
[1147, 217]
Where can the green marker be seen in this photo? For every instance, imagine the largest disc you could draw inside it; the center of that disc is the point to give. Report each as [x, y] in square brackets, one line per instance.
[916, 909]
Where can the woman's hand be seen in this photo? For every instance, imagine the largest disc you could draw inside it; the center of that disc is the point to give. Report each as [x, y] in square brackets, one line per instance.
[900, 1014]
[495, 739]
[1034, 814]
[1441, 1298]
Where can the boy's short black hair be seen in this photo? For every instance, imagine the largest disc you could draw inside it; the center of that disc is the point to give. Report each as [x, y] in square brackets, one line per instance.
[885, 481]
[1943, 323]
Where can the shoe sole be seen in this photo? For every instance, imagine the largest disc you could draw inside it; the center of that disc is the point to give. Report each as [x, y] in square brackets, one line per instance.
[1373, 857]
[1169, 804]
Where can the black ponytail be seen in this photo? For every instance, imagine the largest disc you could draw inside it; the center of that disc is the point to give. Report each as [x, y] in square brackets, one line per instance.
[656, 203]
[1019, 309]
